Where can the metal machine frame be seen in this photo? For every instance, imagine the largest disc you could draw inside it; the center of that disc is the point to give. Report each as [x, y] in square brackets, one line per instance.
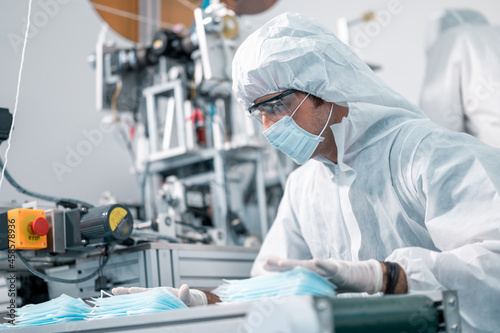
[157, 264]
[185, 154]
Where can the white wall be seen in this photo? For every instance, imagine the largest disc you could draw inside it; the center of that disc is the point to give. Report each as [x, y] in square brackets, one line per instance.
[56, 103]
[399, 47]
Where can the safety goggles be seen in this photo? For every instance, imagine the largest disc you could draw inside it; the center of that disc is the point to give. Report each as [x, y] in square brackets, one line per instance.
[275, 107]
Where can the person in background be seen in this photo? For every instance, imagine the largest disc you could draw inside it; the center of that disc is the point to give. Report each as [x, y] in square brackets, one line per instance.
[386, 200]
[461, 90]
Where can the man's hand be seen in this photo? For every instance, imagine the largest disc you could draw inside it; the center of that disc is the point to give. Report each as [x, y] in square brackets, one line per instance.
[190, 297]
[363, 276]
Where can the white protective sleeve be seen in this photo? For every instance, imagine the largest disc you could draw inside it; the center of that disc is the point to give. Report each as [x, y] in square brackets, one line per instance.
[458, 185]
[284, 239]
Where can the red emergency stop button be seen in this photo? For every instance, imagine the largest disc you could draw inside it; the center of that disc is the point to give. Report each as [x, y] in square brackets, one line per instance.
[40, 226]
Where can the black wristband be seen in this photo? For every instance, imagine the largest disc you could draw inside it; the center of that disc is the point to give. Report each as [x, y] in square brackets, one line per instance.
[396, 277]
[392, 276]
[388, 284]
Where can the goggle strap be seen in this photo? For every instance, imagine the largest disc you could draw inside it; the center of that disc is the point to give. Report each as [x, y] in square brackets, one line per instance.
[324, 128]
[300, 105]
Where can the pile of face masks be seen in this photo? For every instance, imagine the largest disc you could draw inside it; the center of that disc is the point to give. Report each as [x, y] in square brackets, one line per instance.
[66, 308]
[298, 281]
[151, 301]
[61, 309]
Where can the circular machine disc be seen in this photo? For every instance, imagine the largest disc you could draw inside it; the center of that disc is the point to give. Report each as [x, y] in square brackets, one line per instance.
[123, 16]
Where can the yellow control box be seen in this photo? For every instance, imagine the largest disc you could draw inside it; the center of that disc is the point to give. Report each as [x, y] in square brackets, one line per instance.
[23, 229]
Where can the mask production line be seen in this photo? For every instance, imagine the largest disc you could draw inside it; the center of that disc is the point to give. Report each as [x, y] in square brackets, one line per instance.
[210, 187]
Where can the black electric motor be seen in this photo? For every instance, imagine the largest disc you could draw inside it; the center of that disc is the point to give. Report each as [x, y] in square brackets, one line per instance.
[111, 223]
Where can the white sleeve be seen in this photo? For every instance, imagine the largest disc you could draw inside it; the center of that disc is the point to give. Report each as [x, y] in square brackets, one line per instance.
[284, 239]
[441, 97]
[457, 181]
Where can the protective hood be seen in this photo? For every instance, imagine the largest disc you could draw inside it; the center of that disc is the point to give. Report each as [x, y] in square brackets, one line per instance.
[293, 51]
[445, 20]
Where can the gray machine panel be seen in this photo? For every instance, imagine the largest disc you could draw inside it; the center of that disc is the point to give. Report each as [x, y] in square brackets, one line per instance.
[154, 266]
[207, 269]
[121, 269]
[165, 268]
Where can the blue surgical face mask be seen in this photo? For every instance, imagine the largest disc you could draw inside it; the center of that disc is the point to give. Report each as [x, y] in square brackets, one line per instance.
[292, 140]
[297, 281]
[150, 301]
[61, 309]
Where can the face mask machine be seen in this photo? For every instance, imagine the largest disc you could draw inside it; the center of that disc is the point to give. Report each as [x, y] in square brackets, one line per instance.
[206, 174]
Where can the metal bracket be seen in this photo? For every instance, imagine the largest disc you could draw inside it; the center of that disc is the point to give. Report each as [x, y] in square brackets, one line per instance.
[450, 312]
[324, 309]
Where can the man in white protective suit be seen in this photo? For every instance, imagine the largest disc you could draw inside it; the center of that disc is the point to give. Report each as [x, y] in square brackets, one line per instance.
[386, 200]
[461, 90]
[382, 187]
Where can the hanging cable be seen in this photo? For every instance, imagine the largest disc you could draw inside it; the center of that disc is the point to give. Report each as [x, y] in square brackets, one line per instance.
[17, 91]
[51, 198]
[3, 167]
[132, 16]
[144, 182]
[54, 279]
[121, 131]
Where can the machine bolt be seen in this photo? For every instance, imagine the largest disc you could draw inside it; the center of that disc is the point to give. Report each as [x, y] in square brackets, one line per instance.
[83, 210]
[322, 305]
[168, 221]
[451, 302]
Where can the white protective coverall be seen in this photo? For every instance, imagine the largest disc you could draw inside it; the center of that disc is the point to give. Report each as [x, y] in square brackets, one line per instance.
[404, 189]
[461, 90]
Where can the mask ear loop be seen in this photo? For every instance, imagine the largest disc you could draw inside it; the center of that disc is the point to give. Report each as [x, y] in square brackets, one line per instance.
[300, 105]
[324, 128]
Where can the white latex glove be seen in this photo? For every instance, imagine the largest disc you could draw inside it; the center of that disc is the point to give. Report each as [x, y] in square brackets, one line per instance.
[190, 297]
[362, 276]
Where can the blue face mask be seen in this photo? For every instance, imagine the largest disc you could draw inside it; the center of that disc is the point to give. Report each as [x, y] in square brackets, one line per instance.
[61, 309]
[297, 281]
[292, 140]
[151, 301]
